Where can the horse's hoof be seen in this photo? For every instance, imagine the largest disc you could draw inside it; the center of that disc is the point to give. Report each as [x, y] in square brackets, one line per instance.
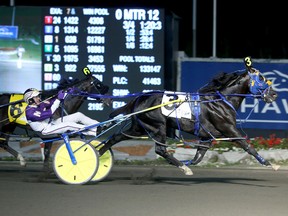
[23, 163]
[43, 177]
[275, 167]
[46, 169]
[186, 170]
[22, 160]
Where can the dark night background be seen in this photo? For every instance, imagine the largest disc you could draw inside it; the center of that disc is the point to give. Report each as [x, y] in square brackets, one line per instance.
[244, 27]
[255, 28]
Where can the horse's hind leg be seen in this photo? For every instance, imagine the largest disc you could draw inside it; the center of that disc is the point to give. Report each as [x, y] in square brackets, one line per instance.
[46, 166]
[114, 140]
[162, 151]
[47, 150]
[13, 152]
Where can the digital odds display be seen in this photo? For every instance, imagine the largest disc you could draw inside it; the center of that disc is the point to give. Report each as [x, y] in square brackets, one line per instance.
[122, 47]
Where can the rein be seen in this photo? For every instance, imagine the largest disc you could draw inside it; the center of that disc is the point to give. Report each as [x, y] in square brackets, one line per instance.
[61, 105]
[21, 101]
[82, 93]
[12, 103]
[194, 99]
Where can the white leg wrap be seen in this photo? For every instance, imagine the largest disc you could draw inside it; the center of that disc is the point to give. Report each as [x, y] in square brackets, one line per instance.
[186, 170]
[22, 160]
[275, 167]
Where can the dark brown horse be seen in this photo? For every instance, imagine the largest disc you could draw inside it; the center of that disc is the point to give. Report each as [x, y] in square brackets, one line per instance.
[208, 114]
[72, 103]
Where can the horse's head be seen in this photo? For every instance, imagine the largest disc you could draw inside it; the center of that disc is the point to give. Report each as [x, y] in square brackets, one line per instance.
[259, 85]
[279, 80]
[91, 85]
[78, 91]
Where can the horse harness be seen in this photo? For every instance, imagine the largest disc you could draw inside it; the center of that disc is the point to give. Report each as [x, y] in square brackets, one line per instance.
[258, 86]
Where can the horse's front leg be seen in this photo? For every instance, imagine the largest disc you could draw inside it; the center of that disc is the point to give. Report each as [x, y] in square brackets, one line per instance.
[229, 129]
[200, 153]
[252, 151]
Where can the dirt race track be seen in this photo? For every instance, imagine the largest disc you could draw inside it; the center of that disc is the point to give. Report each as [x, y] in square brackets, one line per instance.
[146, 190]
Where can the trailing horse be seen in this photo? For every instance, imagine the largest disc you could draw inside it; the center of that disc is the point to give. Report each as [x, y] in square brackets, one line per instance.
[12, 113]
[209, 114]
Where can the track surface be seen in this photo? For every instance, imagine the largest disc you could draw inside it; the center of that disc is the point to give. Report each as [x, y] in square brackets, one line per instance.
[146, 190]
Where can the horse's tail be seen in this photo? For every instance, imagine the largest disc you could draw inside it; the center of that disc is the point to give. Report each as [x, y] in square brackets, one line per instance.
[130, 106]
[126, 109]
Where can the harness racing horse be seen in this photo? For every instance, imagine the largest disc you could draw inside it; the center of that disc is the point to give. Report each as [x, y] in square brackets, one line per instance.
[211, 114]
[71, 104]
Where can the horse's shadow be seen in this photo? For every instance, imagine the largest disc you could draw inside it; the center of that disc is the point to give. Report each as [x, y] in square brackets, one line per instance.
[189, 181]
[153, 178]
[213, 180]
[130, 180]
[150, 177]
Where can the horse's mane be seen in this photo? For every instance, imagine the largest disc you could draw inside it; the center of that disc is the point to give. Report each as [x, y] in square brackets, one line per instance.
[219, 82]
[66, 83]
[63, 84]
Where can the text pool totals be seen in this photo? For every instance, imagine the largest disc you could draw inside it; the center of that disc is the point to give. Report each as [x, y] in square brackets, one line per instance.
[122, 47]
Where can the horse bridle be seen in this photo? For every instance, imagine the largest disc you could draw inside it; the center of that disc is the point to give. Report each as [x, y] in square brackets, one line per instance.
[105, 100]
[258, 84]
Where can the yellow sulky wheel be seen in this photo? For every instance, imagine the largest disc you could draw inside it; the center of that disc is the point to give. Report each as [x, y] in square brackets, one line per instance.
[105, 163]
[84, 170]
